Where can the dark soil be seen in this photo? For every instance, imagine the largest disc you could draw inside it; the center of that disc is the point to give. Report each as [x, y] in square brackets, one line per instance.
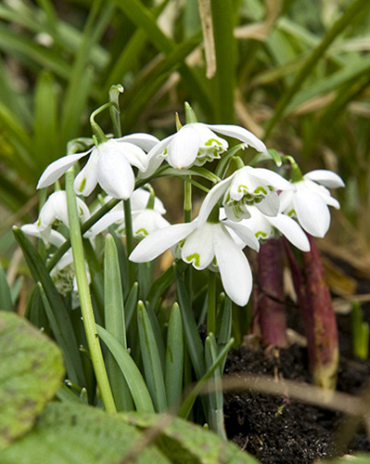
[277, 430]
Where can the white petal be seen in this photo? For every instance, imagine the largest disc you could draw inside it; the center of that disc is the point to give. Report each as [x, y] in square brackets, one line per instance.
[211, 200]
[183, 148]
[325, 177]
[82, 210]
[144, 141]
[243, 182]
[86, 179]
[269, 205]
[134, 155]
[107, 220]
[286, 201]
[115, 175]
[57, 168]
[239, 133]
[54, 208]
[139, 201]
[147, 222]
[292, 231]
[244, 233]
[198, 247]
[159, 241]
[208, 139]
[155, 158]
[234, 268]
[271, 178]
[312, 212]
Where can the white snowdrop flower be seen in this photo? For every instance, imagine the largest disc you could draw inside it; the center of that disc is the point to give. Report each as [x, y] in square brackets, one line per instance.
[310, 200]
[109, 165]
[204, 247]
[266, 227]
[147, 221]
[144, 220]
[246, 187]
[54, 209]
[63, 273]
[197, 143]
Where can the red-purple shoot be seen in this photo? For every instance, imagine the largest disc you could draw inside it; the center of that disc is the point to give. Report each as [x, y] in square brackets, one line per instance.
[317, 312]
[270, 306]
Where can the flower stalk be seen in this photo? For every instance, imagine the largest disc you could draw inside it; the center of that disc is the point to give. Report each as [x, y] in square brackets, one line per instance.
[85, 299]
[129, 240]
[211, 304]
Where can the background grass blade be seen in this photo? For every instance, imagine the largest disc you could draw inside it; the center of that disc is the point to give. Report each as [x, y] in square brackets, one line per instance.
[357, 7]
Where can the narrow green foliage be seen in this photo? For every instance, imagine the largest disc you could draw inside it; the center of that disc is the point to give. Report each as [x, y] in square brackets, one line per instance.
[357, 7]
[114, 310]
[129, 369]
[174, 357]
[131, 304]
[114, 313]
[225, 318]
[215, 396]
[151, 359]
[203, 381]
[225, 48]
[46, 146]
[193, 342]
[5, 294]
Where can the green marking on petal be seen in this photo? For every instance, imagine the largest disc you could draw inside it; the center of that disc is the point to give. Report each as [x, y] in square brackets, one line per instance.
[38, 223]
[271, 188]
[292, 213]
[211, 141]
[194, 257]
[142, 231]
[82, 185]
[81, 211]
[165, 152]
[242, 188]
[260, 189]
[261, 234]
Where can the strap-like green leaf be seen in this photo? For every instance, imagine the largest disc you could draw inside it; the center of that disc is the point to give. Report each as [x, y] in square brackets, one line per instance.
[5, 294]
[193, 342]
[134, 379]
[151, 359]
[174, 357]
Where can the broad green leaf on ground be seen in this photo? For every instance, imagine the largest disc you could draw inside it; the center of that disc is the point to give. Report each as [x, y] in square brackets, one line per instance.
[68, 433]
[31, 370]
[186, 443]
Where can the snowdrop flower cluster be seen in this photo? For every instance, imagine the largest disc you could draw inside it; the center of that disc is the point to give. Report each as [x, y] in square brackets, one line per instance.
[251, 205]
